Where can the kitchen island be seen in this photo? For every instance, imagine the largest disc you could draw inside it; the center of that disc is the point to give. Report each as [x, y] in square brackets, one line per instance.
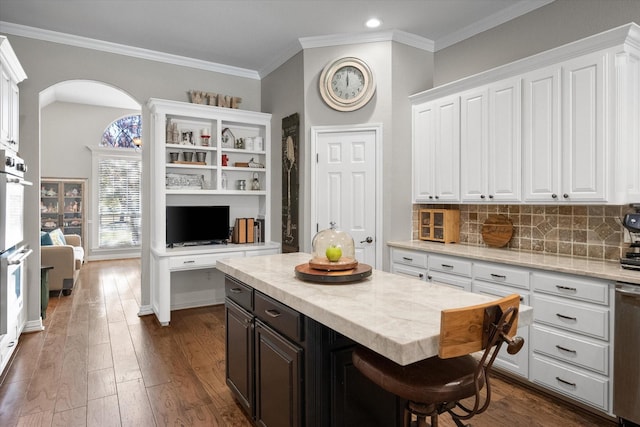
[306, 332]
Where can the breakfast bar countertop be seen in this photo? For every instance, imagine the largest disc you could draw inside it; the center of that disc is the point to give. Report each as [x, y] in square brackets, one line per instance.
[606, 270]
[396, 316]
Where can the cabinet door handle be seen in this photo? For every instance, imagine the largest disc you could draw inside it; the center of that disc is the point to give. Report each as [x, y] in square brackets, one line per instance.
[566, 382]
[566, 288]
[482, 196]
[429, 277]
[446, 266]
[562, 316]
[565, 195]
[272, 313]
[498, 276]
[421, 275]
[491, 196]
[406, 258]
[554, 196]
[568, 350]
[235, 290]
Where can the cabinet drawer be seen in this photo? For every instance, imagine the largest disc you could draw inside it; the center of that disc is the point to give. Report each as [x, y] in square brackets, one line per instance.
[584, 289]
[192, 262]
[450, 265]
[590, 355]
[414, 258]
[239, 293]
[461, 283]
[574, 383]
[496, 273]
[583, 319]
[284, 319]
[410, 271]
[480, 287]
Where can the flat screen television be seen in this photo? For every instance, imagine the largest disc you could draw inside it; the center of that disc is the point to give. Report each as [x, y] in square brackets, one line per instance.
[197, 225]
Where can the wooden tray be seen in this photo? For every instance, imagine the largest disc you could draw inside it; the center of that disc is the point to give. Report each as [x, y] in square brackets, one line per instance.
[497, 231]
[305, 272]
[342, 264]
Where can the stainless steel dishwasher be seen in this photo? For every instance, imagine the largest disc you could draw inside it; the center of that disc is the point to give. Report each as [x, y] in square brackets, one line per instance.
[626, 366]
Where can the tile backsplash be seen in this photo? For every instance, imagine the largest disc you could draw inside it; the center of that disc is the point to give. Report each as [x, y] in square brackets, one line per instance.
[583, 231]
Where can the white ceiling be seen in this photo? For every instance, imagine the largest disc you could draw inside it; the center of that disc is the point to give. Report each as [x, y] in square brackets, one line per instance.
[255, 36]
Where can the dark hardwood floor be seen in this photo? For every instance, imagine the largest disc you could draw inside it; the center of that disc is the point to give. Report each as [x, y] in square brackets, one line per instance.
[98, 364]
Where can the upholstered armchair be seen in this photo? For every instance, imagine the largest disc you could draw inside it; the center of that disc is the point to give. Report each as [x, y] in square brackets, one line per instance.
[66, 260]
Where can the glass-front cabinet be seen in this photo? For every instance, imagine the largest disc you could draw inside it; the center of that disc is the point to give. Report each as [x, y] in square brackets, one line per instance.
[62, 205]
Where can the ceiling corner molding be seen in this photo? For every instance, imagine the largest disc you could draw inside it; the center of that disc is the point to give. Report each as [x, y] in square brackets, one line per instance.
[283, 57]
[120, 49]
[518, 9]
[354, 38]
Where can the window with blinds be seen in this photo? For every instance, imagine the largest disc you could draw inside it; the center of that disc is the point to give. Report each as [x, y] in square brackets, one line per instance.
[119, 204]
[119, 177]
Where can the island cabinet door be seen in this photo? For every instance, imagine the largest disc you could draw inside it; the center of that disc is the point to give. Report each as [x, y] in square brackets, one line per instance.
[239, 354]
[278, 365]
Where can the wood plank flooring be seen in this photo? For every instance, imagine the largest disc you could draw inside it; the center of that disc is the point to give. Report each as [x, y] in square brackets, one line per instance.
[98, 364]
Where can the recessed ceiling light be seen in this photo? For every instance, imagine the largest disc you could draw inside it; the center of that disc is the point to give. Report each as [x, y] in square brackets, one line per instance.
[373, 23]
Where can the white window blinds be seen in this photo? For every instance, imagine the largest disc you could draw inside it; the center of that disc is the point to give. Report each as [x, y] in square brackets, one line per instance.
[119, 204]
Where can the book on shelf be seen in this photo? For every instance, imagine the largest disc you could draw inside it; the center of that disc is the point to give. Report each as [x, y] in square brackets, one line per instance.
[244, 231]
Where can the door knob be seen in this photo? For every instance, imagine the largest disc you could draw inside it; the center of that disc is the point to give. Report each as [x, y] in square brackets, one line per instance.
[369, 239]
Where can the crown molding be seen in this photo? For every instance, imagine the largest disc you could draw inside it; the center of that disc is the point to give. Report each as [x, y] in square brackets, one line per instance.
[283, 57]
[354, 38]
[518, 9]
[135, 52]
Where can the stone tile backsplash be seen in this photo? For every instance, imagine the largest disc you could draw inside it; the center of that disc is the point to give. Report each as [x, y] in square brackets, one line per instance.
[582, 231]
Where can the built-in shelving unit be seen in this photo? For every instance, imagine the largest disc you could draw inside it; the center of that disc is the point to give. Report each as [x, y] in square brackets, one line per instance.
[205, 155]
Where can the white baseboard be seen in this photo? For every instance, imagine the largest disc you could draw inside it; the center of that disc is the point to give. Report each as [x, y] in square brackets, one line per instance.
[33, 326]
[145, 310]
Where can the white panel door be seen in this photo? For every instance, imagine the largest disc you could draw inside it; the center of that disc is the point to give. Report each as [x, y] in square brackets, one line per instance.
[474, 133]
[541, 135]
[346, 187]
[504, 143]
[583, 133]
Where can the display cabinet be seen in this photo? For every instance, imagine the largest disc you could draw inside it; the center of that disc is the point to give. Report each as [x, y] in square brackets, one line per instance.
[62, 205]
[440, 225]
[203, 155]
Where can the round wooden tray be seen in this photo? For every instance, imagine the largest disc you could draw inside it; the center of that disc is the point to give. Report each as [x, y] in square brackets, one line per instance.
[324, 264]
[497, 231]
[305, 272]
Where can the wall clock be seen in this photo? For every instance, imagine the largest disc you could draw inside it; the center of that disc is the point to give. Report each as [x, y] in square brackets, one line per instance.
[347, 84]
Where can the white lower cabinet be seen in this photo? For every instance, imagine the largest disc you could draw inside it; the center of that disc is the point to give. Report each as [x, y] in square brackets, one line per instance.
[567, 348]
[571, 337]
[500, 281]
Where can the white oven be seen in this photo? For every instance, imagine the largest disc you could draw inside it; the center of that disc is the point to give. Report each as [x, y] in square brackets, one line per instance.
[12, 282]
[12, 184]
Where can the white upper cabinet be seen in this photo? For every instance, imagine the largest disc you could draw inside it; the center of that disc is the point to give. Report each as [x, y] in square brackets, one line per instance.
[583, 129]
[11, 73]
[436, 151]
[490, 143]
[558, 127]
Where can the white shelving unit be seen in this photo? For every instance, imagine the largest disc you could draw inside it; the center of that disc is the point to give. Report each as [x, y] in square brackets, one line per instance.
[197, 179]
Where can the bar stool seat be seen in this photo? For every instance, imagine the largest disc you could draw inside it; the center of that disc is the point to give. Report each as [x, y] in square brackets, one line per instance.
[438, 384]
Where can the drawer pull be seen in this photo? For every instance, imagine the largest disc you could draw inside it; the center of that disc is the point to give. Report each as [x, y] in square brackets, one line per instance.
[568, 350]
[562, 316]
[566, 288]
[498, 276]
[188, 262]
[406, 258]
[235, 290]
[446, 266]
[272, 313]
[566, 382]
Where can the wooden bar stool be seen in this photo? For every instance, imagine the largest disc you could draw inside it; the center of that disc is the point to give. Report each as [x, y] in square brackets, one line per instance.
[438, 384]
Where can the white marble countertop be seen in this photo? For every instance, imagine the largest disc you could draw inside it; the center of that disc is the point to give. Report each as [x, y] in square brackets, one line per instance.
[396, 316]
[607, 270]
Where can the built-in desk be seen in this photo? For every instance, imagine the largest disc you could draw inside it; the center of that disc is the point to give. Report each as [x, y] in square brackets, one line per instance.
[166, 261]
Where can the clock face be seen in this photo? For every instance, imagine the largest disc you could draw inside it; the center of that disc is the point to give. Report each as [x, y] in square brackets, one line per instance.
[346, 84]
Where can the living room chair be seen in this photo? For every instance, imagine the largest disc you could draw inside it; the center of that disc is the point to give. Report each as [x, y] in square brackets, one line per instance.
[438, 384]
[66, 260]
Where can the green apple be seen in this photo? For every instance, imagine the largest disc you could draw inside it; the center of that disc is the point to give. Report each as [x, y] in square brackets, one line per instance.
[333, 253]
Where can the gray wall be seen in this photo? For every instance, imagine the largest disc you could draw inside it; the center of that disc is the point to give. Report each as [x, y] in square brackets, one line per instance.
[282, 95]
[49, 63]
[553, 25]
